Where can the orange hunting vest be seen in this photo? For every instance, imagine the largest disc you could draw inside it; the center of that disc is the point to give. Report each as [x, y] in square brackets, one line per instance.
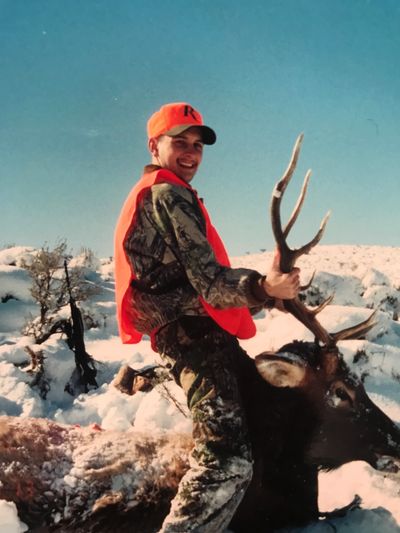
[235, 320]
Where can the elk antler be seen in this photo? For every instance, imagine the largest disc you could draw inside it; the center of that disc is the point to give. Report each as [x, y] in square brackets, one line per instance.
[288, 258]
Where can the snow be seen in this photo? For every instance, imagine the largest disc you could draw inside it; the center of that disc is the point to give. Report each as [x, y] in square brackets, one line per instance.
[361, 278]
[9, 520]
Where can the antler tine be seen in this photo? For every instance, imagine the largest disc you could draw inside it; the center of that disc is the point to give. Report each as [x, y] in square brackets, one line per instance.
[287, 255]
[355, 332]
[298, 206]
[281, 186]
[307, 247]
[322, 305]
[307, 317]
[308, 284]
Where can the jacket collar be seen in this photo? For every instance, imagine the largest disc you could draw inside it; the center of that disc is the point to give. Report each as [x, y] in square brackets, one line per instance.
[153, 168]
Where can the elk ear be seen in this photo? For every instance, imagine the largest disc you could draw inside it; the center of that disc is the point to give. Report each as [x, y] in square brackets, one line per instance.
[281, 369]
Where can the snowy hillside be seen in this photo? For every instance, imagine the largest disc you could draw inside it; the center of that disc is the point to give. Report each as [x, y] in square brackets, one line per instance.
[361, 277]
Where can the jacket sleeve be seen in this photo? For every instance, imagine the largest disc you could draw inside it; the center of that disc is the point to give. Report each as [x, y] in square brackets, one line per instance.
[182, 225]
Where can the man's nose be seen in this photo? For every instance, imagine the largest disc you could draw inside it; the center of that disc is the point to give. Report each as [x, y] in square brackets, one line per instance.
[190, 149]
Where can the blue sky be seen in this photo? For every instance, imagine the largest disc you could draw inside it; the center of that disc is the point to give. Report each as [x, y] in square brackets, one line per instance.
[79, 80]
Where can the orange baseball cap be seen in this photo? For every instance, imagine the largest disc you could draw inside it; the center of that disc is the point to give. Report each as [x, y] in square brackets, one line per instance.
[173, 119]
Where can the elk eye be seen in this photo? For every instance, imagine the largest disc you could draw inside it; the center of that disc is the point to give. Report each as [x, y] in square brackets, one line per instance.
[342, 394]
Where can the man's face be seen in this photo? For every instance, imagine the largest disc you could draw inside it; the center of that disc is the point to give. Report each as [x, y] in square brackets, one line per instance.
[181, 154]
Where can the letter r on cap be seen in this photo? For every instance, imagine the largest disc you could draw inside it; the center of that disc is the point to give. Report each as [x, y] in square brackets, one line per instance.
[190, 111]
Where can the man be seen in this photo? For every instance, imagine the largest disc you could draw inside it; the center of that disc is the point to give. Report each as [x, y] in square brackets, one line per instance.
[174, 283]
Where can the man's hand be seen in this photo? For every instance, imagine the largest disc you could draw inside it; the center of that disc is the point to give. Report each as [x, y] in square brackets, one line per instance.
[279, 285]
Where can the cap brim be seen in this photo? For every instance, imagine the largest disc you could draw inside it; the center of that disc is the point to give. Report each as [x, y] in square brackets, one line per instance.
[209, 136]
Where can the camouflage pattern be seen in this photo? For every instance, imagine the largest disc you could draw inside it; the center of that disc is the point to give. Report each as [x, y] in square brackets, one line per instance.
[203, 359]
[174, 263]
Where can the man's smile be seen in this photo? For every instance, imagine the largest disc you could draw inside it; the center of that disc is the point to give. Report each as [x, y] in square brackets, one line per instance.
[187, 164]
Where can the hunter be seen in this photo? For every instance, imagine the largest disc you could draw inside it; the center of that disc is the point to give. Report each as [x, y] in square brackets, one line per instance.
[174, 283]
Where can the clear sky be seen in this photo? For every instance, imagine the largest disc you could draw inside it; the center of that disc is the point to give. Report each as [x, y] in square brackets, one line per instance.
[78, 80]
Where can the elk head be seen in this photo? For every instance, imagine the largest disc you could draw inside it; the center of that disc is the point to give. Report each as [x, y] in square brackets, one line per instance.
[351, 426]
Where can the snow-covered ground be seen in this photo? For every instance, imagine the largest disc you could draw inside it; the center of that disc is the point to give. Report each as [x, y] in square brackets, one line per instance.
[361, 277]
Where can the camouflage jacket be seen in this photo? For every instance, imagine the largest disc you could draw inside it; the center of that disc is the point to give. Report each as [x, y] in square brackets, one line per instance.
[173, 262]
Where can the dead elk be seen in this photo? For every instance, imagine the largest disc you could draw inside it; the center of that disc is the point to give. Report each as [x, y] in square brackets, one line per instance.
[306, 411]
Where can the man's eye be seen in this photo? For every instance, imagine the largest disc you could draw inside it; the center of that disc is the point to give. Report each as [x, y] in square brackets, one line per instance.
[199, 147]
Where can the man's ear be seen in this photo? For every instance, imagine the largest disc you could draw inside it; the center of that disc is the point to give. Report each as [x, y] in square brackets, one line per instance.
[153, 146]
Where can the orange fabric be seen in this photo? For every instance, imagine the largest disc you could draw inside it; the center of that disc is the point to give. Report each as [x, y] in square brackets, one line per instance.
[236, 321]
